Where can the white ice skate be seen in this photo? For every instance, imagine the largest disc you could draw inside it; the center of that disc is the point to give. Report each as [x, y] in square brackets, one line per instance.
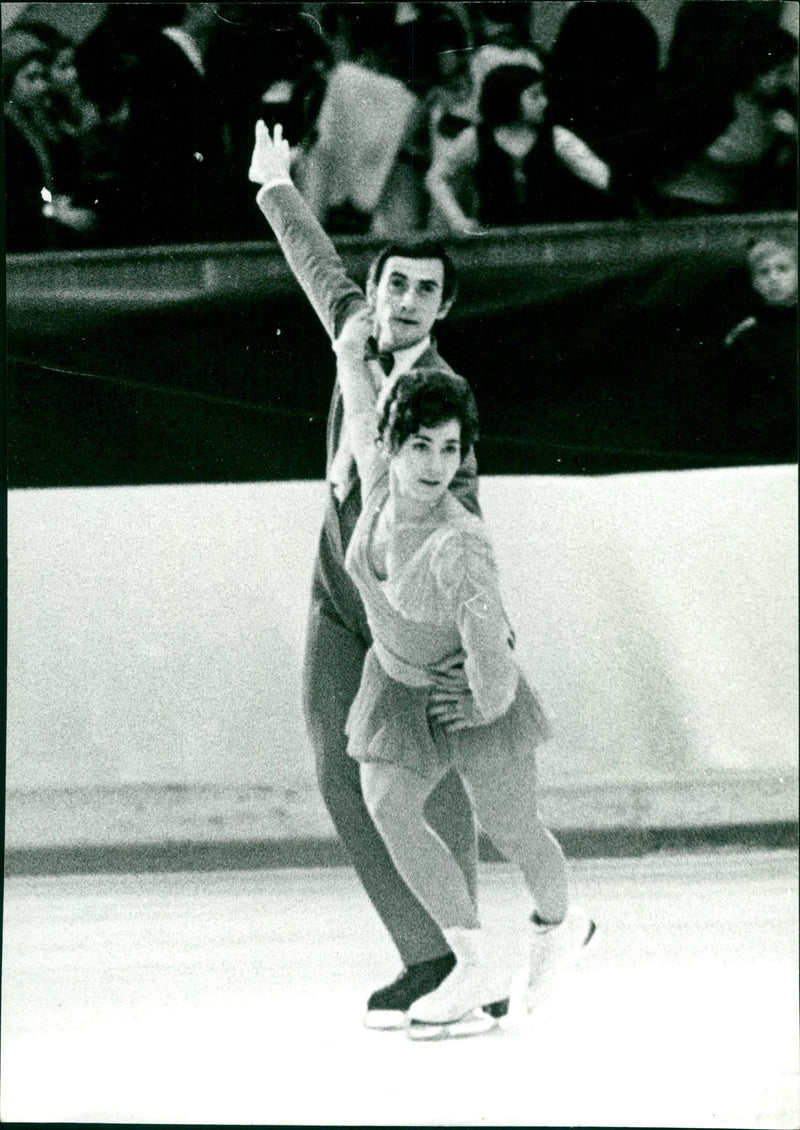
[555, 950]
[458, 1007]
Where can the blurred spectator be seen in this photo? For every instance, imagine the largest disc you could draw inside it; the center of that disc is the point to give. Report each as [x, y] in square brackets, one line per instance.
[438, 52]
[176, 182]
[464, 43]
[362, 125]
[501, 24]
[70, 109]
[760, 359]
[524, 169]
[68, 120]
[727, 121]
[107, 58]
[365, 33]
[144, 131]
[40, 211]
[603, 76]
[436, 48]
[107, 62]
[265, 61]
[338, 27]
[501, 34]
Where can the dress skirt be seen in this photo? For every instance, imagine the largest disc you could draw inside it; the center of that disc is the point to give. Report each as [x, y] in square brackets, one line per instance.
[388, 721]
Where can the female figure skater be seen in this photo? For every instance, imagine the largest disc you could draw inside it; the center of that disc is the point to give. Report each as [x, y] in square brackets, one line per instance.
[425, 570]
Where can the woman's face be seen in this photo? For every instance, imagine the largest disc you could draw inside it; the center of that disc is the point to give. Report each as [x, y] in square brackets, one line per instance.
[533, 104]
[29, 86]
[427, 463]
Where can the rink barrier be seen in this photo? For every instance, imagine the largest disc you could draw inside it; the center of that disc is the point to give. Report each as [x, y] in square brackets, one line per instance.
[155, 643]
[141, 829]
[205, 363]
[235, 855]
[48, 288]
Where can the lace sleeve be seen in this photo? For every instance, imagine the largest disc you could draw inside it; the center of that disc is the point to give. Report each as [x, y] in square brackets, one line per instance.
[468, 579]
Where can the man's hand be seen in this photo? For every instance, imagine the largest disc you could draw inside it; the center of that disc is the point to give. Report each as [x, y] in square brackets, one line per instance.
[450, 702]
[272, 156]
[453, 710]
[449, 674]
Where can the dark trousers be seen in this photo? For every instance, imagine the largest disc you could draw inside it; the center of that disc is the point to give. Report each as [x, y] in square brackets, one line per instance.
[334, 659]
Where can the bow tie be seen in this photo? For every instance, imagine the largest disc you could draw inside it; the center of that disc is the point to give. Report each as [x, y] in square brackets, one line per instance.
[384, 359]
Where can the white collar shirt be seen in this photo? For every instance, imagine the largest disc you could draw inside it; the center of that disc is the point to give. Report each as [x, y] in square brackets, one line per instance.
[405, 359]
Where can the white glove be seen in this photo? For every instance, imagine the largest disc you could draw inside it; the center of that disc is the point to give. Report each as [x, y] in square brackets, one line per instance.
[272, 156]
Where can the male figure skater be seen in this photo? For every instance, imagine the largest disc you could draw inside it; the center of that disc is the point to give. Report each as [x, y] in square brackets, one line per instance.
[410, 288]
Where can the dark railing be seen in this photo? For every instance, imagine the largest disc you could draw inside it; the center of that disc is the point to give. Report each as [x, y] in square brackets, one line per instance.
[592, 348]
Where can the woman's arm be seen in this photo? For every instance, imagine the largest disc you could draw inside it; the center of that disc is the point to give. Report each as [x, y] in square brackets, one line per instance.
[359, 387]
[451, 163]
[580, 159]
[309, 252]
[468, 578]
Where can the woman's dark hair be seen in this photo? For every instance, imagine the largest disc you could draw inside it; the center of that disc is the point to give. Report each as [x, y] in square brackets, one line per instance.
[502, 89]
[425, 398]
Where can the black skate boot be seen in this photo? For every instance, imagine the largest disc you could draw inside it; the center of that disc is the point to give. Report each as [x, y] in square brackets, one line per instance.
[386, 1008]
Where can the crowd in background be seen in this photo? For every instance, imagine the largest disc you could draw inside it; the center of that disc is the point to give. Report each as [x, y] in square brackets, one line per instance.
[429, 117]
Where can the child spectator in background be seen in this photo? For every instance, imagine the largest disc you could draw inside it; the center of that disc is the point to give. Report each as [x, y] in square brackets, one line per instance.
[27, 160]
[760, 360]
[524, 168]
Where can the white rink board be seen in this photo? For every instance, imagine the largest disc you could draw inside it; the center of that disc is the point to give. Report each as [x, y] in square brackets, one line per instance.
[156, 633]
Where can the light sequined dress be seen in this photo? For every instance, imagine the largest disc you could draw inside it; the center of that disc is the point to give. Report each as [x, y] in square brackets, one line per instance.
[441, 595]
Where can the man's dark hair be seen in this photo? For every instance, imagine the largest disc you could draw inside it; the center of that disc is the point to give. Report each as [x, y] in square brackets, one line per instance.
[425, 398]
[420, 249]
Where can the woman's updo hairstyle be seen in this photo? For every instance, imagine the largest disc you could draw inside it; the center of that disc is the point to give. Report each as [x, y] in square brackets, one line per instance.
[425, 398]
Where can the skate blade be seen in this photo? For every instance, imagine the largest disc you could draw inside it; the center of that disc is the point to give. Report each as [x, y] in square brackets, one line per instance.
[473, 1024]
[385, 1020]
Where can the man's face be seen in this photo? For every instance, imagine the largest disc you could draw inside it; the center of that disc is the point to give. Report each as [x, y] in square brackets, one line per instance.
[407, 300]
[775, 278]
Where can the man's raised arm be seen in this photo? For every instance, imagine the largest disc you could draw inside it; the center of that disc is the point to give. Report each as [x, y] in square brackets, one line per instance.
[309, 252]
